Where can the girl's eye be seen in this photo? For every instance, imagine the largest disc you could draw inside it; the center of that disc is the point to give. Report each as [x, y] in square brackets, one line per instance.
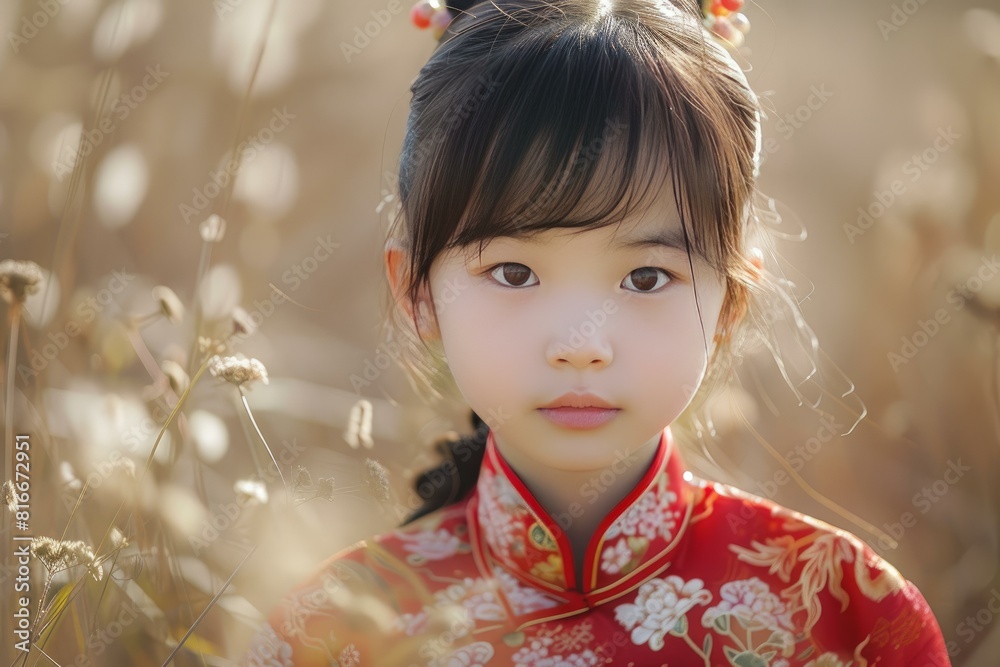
[512, 274]
[646, 279]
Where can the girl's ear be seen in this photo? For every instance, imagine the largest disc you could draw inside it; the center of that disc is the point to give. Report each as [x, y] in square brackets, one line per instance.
[420, 314]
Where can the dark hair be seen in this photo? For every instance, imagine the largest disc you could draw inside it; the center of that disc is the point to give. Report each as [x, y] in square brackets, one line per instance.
[463, 456]
[508, 132]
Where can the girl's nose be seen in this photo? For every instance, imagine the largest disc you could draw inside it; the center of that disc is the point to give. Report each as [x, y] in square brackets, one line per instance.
[584, 345]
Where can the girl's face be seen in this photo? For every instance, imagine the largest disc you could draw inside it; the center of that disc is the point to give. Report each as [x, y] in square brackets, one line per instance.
[612, 312]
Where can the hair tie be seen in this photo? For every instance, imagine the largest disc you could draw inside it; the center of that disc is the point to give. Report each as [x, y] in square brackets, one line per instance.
[431, 14]
[720, 17]
[724, 20]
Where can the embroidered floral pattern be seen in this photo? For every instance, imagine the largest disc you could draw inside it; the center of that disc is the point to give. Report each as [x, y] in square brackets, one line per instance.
[523, 599]
[268, 650]
[349, 657]
[536, 654]
[739, 582]
[474, 655]
[616, 557]
[659, 607]
[751, 602]
[433, 545]
[500, 516]
[650, 517]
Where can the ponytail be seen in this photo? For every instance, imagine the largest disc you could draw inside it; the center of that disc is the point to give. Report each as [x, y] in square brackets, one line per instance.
[463, 457]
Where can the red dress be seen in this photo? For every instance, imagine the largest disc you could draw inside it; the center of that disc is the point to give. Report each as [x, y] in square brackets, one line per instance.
[683, 572]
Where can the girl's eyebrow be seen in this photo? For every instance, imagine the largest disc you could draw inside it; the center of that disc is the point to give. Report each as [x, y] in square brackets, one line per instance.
[669, 238]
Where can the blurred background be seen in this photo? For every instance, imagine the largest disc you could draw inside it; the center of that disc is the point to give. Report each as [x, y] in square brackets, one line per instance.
[125, 125]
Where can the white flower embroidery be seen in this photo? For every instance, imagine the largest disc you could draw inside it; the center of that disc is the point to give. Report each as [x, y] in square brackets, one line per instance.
[497, 509]
[536, 654]
[269, 650]
[752, 603]
[659, 605]
[410, 624]
[649, 517]
[349, 657]
[616, 557]
[477, 597]
[432, 545]
[473, 655]
[522, 599]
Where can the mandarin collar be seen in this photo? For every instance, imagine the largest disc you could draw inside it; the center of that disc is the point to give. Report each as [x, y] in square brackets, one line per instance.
[512, 531]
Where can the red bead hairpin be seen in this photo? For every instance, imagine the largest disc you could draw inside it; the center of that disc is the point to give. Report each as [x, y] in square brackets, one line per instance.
[431, 14]
[721, 17]
[724, 20]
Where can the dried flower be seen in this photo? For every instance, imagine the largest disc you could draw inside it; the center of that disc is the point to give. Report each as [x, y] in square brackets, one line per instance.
[118, 539]
[170, 305]
[301, 478]
[176, 376]
[212, 228]
[251, 491]
[18, 279]
[9, 495]
[242, 324]
[325, 487]
[237, 370]
[377, 480]
[123, 465]
[359, 425]
[206, 344]
[61, 554]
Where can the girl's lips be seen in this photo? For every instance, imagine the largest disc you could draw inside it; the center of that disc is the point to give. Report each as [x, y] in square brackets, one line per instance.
[580, 418]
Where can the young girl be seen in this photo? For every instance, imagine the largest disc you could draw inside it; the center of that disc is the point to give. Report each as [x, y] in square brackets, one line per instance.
[578, 244]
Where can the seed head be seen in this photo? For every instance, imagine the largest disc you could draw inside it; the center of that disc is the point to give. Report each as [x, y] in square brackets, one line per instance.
[236, 370]
[170, 305]
[18, 279]
[212, 228]
[176, 376]
[377, 480]
[242, 324]
[9, 495]
[325, 488]
[301, 479]
[251, 490]
[61, 554]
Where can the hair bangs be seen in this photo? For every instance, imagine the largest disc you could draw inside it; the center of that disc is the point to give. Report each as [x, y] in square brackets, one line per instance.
[579, 140]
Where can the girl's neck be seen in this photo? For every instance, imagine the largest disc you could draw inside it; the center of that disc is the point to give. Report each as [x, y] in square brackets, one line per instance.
[560, 493]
